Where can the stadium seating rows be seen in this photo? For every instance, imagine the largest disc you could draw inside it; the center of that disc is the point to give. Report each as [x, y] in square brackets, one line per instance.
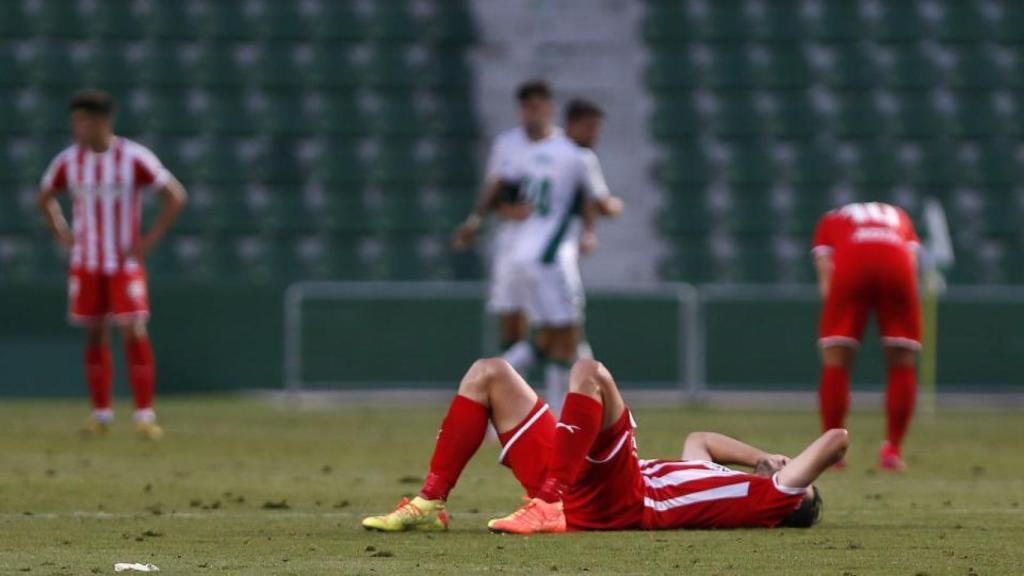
[769, 113]
[318, 138]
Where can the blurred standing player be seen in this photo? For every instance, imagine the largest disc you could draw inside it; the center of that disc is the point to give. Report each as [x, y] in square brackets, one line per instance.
[865, 255]
[555, 179]
[107, 176]
[536, 112]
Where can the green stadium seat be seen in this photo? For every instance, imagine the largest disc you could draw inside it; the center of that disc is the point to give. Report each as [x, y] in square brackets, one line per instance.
[912, 69]
[278, 163]
[220, 163]
[285, 113]
[675, 116]
[672, 69]
[838, 22]
[857, 116]
[397, 116]
[219, 66]
[338, 21]
[918, 116]
[393, 21]
[54, 66]
[449, 119]
[963, 22]
[795, 116]
[113, 67]
[172, 21]
[445, 70]
[814, 164]
[454, 163]
[281, 21]
[731, 67]
[877, 165]
[13, 72]
[685, 211]
[726, 21]
[170, 112]
[853, 67]
[779, 22]
[280, 67]
[340, 167]
[976, 116]
[1009, 27]
[788, 68]
[667, 22]
[14, 22]
[977, 68]
[163, 65]
[61, 19]
[751, 211]
[225, 20]
[334, 68]
[117, 19]
[997, 163]
[452, 23]
[750, 162]
[900, 22]
[939, 165]
[391, 68]
[686, 163]
[342, 115]
[12, 120]
[736, 114]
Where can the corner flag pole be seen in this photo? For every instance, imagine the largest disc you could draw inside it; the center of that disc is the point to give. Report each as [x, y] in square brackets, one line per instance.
[936, 257]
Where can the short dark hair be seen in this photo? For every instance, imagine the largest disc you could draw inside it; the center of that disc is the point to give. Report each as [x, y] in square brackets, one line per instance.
[807, 514]
[581, 109]
[95, 102]
[534, 89]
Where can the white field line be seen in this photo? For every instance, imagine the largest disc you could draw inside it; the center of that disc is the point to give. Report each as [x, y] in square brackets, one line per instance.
[269, 514]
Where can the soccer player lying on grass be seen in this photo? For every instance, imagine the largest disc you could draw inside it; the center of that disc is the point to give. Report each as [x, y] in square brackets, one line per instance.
[582, 472]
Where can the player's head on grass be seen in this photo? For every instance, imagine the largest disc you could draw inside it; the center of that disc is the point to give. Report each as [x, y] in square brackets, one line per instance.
[583, 120]
[92, 118]
[536, 106]
[808, 513]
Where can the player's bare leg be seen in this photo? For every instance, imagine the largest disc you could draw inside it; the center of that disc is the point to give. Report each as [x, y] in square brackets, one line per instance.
[98, 375]
[900, 398]
[141, 374]
[593, 404]
[490, 391]
[559, 347]
[834, 389]
[517, 349]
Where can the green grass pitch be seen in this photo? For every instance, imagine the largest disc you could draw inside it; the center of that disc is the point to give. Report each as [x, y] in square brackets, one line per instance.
[241, 487]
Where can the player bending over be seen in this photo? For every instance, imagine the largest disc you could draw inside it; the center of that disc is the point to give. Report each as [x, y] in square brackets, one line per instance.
[582, 472]
[865, 255]
[107, 177]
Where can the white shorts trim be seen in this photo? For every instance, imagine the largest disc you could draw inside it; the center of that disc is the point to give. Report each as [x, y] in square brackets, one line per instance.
[533, 419]
[120, 319]
[838, 341]
[615, 451]
[901, 342]
[786, 489]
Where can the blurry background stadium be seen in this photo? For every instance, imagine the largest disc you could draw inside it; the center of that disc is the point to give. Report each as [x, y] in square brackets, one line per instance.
[341, 141]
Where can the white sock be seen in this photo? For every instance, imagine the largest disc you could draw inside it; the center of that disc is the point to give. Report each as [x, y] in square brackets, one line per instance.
[104, 415]
[145, 415]
[556, 384]
[583, 350]
[522, 357]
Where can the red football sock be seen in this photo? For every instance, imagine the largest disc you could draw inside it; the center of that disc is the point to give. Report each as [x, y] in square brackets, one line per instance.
[461, 434]
[574, 436]
[834, 397]
[900, 397]
[98, 374]
[141, 370]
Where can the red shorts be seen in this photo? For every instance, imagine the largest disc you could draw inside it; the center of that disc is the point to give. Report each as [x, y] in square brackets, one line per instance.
[617, 491]
[885, 283]
[96, 297]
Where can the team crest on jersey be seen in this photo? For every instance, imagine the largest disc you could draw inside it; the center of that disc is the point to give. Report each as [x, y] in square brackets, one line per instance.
[137, 290]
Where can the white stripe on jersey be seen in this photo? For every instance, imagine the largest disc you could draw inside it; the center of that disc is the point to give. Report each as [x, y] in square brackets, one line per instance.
[738, 490]
[71, 175]
[689, 475]
[107, 199]
[87, 183]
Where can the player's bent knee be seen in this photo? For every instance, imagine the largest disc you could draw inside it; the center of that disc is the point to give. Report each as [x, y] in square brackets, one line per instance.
[588, 377]
[483, 372]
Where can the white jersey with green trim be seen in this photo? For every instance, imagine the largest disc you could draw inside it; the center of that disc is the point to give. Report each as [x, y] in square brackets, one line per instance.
[507, 152]
[556, 176]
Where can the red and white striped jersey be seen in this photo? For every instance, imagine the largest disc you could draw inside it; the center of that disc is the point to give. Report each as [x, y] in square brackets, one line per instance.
[106, 190]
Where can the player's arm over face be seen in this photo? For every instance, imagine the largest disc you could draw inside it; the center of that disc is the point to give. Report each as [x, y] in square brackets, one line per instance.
[727, 451]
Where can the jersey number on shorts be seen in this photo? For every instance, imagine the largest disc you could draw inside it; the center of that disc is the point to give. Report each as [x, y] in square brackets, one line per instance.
[537, 191]
[876, 213]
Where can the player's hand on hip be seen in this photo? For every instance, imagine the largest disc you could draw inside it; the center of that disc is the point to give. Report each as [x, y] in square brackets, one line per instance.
[66, 239]
[139, 250]
[465, 234]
